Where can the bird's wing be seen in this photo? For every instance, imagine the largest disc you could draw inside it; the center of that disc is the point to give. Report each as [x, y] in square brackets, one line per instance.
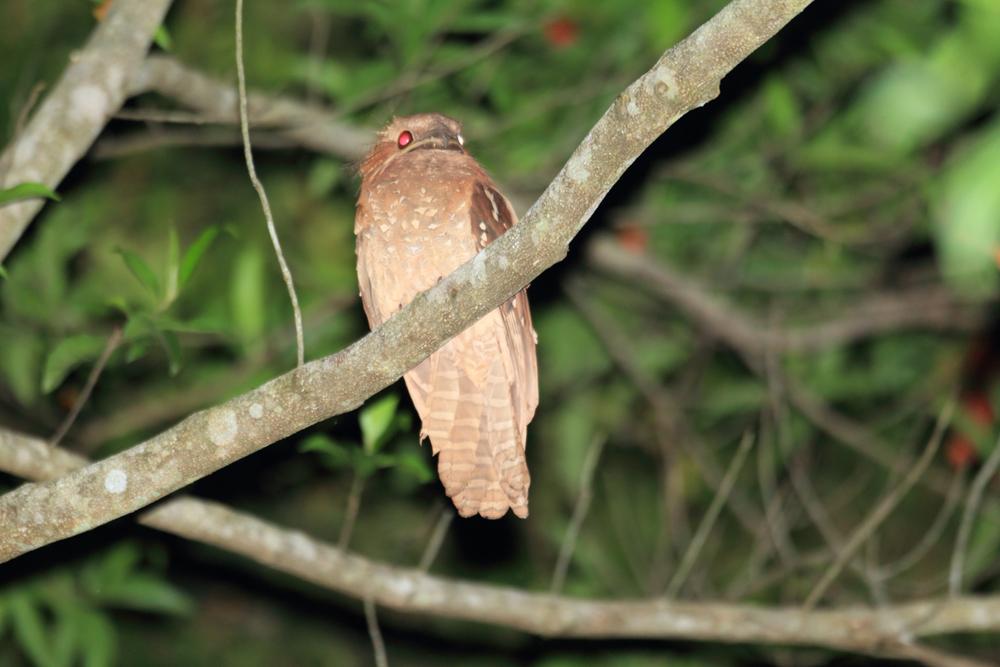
[491, 216]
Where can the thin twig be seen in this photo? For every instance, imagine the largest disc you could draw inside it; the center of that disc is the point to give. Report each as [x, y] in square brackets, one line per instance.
[932, 535]
[968, 515]
[579, 512]
[883, 509]
[351, 511]
[831, 535]
[172, 117]
[378, 646]
[437, 538]
[248, 155]
[29, 105]
[708, 521]
[95, 373]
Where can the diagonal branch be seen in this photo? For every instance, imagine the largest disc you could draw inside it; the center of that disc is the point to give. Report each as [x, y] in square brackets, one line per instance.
[687, 76]
[91, 89]
[885, 631]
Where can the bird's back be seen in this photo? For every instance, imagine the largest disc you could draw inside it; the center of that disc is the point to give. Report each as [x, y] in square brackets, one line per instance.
[416, 223]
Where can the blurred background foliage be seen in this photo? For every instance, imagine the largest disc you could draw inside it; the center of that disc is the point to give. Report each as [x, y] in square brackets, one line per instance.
[855, 154]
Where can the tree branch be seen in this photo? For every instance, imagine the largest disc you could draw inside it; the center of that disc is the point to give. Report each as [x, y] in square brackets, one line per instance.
[885, 631]
[924, 308]
[90, 91]
[686, 77]
[306, 124]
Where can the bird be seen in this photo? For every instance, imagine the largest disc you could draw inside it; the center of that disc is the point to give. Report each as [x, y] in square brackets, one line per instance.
[425, 207]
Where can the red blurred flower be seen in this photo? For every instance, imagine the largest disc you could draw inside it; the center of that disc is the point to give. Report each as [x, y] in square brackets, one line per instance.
[561, 32]
[960, 451]
[633, 238]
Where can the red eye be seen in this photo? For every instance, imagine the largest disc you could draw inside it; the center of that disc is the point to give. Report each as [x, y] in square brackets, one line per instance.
[405, 137]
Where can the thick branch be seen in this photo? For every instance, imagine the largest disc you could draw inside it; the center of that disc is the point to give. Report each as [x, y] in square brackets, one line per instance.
[90, 91]
[687, 76]
[888, 630]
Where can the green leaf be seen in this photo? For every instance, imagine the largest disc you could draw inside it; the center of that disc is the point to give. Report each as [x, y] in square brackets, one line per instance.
[64, 637]
[140, 269]
[377, 422]
[333, 454]
[366, 465]
[194, 254]
[27, 191]
[172, 346]
[248, 294]
[414, 464]
[782, 109]
[967, 217]
[98, 641]
[114, 566]
[136, 350]
[20, 363]
[323, 177]
[162, 39]
[29, 628]
[3, 272]
[173, 265]
[144, 592]
[68, 354]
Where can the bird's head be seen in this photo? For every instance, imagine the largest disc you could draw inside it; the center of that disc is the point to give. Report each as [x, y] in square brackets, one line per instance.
[405, 134]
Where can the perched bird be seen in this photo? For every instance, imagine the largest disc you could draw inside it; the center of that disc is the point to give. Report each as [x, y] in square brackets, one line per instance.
[425, 208]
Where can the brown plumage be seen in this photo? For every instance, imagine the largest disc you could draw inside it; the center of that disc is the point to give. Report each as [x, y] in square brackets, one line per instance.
[425, 208]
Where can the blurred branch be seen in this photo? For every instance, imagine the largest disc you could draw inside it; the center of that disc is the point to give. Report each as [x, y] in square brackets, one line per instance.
[982, 478]
[309, 125]
[711, 514]
[917, 308]
[583, 499]
[687, 76]
[91, 89]
[882, 510]
[913, 308]
[889, 631]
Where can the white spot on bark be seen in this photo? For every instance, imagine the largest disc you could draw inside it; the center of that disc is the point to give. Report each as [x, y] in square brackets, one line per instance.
[90, 102]
[478, 270]
[664, 83]
[115, 75]
[222, 427]
[302, 547]
[25, 151]
[256, 410]
[577, 167]
[116, 481]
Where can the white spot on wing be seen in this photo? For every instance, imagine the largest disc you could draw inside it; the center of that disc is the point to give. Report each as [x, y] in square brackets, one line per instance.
[256, 410]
